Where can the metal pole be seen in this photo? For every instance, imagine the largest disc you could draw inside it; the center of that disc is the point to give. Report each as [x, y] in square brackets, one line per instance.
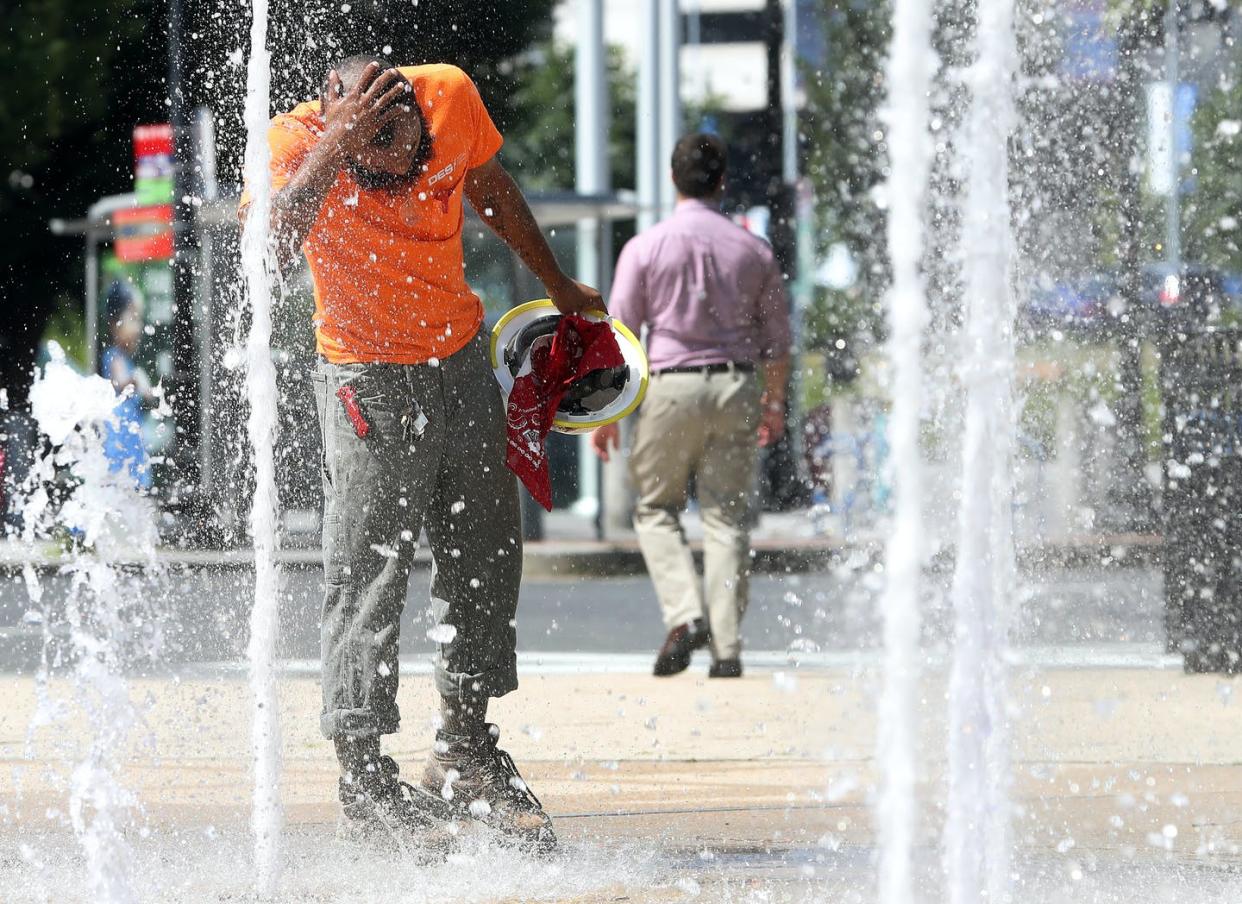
[182, 384]
[591, 177]
[802, 211]
[618, 499]
[596, 467]
[208, 191]
[670, 97]
[779, 484]
[1173, 213]
[789, 100]
[92, 300]
[182, 156]
[694, 22]
[648, 126]
[591, 101]
[779, 187]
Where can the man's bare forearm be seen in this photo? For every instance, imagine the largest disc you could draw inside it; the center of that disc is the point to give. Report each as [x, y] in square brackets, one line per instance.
[775, 380]
[500, 203]
[296, 206]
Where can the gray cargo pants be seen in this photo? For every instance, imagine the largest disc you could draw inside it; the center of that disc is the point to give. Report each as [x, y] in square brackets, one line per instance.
[434, 455]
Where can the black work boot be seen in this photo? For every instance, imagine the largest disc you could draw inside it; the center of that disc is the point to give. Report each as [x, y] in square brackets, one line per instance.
[478, 779]
[376, 806]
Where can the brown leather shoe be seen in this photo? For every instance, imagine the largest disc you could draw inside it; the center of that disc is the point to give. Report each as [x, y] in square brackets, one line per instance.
[683, 640]
[726, 668]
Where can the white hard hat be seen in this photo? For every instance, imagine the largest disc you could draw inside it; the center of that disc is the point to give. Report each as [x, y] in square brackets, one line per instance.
[600, 397]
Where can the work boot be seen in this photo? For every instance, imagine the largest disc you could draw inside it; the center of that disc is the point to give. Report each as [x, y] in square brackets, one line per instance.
[478, 779]
[674, 656]
[376, 806]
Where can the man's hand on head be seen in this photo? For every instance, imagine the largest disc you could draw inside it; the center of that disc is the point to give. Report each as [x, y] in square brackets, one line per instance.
[573, 297]
[353, 118]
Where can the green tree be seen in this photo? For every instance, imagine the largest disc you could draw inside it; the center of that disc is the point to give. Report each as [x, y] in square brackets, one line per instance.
[80, 73]
[540, 146]
[846, 161]
[541, 151]
[1077, 142]
[1213, 212]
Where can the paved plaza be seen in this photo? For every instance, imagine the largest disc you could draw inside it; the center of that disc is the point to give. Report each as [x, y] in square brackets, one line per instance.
[1126, 779]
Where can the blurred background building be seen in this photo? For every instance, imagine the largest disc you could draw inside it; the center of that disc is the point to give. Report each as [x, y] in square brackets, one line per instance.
[1129, 140]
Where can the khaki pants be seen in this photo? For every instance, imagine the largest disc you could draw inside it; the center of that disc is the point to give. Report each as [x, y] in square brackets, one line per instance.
[701, 425]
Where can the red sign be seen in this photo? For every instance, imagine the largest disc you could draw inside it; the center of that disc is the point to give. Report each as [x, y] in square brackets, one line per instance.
[143, 233]
[153, 164]
[153, 150]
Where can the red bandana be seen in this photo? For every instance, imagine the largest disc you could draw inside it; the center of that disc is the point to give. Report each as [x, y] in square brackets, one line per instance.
[578, 347]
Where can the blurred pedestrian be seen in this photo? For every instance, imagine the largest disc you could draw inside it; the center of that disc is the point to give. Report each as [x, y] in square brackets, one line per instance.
[712, 298]
[123, 441]
[369, 183]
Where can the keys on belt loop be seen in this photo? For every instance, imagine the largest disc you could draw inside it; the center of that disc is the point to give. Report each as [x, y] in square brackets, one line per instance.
[413, 422]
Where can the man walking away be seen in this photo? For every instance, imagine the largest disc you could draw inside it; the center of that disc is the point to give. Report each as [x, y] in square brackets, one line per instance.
[713, 301]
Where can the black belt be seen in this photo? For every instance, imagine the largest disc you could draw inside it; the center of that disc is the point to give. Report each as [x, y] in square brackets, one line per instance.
[719, 367]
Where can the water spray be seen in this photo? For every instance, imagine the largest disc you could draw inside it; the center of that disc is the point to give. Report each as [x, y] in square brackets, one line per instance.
[977, 833]
[910, 69]
[257, 266]
[107, 521]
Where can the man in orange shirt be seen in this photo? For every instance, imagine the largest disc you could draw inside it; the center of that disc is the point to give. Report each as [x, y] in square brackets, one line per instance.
[369, 183]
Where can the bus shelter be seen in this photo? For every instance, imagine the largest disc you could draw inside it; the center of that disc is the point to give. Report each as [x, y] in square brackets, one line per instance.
[198, 320]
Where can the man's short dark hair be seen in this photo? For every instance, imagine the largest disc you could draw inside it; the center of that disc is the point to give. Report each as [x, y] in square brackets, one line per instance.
[350, 68]
[698, 164]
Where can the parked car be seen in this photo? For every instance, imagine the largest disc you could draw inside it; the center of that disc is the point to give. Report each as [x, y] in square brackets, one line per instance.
[1091, 303]
[1082, 304]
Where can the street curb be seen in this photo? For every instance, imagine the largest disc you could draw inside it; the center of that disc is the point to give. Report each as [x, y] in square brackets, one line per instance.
[571, 559]
[626, 560]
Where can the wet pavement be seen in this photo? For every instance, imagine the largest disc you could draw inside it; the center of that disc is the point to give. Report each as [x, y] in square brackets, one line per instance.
[662, 791]
[1126, 790]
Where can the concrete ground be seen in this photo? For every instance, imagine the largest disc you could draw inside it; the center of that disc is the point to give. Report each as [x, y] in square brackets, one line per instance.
[1127, 787]
[1126, 784]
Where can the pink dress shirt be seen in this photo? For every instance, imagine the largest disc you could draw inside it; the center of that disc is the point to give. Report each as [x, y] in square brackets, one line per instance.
[707, 290]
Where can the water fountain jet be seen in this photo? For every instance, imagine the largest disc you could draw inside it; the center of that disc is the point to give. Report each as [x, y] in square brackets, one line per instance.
[977, 831]
[257, 266]
[910, 69]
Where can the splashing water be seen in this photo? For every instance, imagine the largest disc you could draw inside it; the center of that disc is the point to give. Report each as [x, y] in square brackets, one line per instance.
[977, 835]
[910, 68]
[261, 390]
[108, 521]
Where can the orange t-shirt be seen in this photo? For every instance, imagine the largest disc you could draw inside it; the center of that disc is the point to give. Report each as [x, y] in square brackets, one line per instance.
[388, 266]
